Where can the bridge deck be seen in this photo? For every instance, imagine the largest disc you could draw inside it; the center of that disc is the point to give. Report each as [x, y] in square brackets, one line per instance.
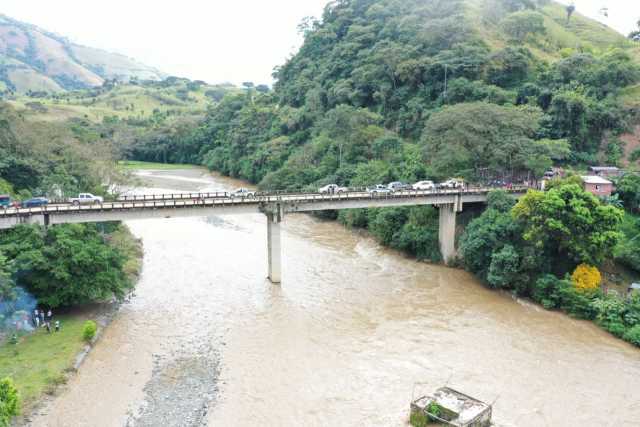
[203, 204]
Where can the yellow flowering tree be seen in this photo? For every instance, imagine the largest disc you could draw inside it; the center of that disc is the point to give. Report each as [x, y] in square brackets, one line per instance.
[586, 278]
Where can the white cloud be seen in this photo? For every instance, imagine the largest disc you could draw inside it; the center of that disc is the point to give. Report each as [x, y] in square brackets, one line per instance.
[622, 14]
[212, 40]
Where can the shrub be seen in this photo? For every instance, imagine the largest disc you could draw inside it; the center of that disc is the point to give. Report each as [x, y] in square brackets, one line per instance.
[632, 313]
[9, 402]
[633, 335]
[576, 303]
[610, 314]
[89, 330]
[418, 419]
[435, 410]
[356, 218]
[586, 278]
[546, 291]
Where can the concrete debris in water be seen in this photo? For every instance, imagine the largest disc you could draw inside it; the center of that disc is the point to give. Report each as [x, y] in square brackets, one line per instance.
[450, 407]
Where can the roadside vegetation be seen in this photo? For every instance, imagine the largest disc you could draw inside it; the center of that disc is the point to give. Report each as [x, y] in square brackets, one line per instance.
[39, 362]
[549, 247]
[62, 268]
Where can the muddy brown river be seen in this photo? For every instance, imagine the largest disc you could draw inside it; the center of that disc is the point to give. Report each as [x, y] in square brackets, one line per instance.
[354, 331]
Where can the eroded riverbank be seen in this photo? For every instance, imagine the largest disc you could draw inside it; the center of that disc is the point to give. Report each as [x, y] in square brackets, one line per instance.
[207, 340]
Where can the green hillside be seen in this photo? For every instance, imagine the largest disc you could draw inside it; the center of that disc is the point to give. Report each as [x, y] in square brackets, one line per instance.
[139, 100]
[378, 84]
[33, 59]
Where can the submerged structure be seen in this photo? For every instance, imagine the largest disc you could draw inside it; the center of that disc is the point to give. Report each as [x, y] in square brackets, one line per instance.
[450, 407]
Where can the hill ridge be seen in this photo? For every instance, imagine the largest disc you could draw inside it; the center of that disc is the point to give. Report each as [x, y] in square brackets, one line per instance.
[33, 59]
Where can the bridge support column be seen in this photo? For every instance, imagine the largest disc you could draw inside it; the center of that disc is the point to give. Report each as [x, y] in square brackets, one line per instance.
[274, 247]
[447, 232]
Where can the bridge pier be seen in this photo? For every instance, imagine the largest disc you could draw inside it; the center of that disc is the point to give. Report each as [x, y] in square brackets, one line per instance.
[274, 247]
[447, 231]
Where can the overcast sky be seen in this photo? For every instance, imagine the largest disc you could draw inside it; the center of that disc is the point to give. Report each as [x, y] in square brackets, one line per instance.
[212, 40]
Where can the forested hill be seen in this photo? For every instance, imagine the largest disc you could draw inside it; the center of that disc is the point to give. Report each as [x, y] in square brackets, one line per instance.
[32, 59]
[408, 89]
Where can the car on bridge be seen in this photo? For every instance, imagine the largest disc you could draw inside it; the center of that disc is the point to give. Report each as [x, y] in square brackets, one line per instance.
[424, 185]
[452, 183]
[34, 202]
[86, 199]
[332, 189]
[378, 189]
[243, 192]
[398, 186]
[5, 201]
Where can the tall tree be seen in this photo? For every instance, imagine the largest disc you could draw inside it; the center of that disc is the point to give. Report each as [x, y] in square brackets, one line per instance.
[568, 220]
[467, 138]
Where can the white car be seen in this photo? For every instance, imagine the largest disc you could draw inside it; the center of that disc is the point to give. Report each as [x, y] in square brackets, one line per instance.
[452, 183]
[378, 189]
[86, 199]
[243, 192]
[424, 185]
[332, 189]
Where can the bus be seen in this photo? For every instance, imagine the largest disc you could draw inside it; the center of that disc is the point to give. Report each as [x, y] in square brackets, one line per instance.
[5, 201]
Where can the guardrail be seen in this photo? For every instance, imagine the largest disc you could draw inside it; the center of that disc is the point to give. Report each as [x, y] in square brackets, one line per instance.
[182, 200]
[257, 194]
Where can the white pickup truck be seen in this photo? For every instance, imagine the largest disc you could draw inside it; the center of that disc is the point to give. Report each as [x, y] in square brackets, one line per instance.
[86, 199]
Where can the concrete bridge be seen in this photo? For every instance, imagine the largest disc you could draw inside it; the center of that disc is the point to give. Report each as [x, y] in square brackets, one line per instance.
[274, 205]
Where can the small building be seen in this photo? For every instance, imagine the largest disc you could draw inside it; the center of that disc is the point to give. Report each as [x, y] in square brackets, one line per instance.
[605, 171]
[597, 185]
[634, 288]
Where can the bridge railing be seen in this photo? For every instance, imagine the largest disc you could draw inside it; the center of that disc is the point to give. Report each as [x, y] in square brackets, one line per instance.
[263, 194]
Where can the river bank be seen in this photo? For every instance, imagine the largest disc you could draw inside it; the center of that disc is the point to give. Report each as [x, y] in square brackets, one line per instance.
[40, 363]
[353, 329]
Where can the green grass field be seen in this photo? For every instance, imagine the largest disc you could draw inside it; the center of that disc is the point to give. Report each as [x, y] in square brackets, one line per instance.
[136, 165]
[38, 363]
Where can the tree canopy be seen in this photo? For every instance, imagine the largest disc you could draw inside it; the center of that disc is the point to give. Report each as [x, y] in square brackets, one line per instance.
[467, 138]
[65, 265]
[568, 221]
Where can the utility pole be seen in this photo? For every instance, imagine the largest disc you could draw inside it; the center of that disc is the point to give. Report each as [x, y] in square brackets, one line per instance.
[445, 82]
[446, 76]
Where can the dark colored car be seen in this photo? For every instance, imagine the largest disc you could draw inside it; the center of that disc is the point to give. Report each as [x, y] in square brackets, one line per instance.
[35, 202]
[5, 201]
